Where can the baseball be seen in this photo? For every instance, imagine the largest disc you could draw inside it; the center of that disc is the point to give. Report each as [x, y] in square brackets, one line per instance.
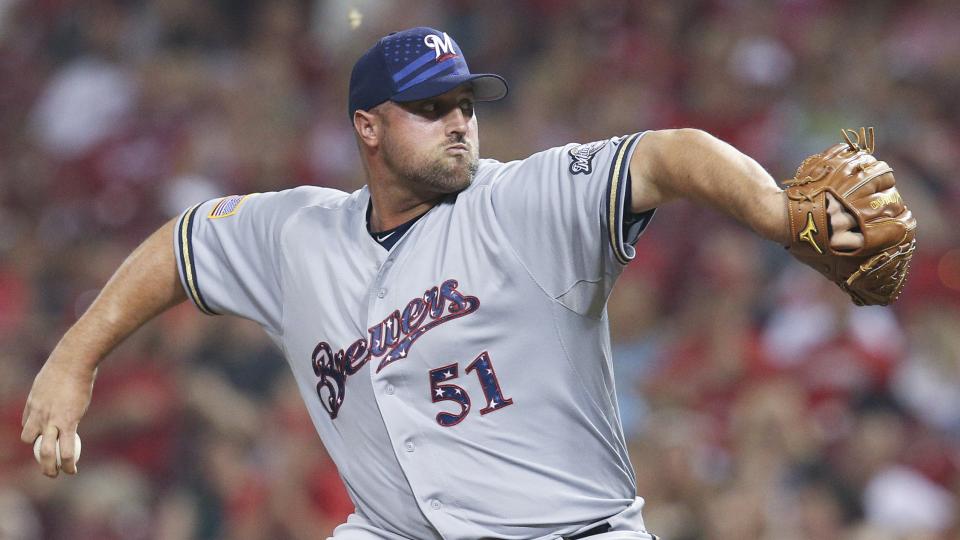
[36, 448]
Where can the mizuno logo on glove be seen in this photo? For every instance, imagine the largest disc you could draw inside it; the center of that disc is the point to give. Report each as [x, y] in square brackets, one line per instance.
[807, 233]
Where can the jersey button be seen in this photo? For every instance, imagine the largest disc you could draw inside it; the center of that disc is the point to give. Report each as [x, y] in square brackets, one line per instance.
[435, 504]
[389, 389]
[409, 446]
[381, 293]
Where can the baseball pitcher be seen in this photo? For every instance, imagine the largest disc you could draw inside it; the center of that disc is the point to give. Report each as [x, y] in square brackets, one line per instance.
[446, 323]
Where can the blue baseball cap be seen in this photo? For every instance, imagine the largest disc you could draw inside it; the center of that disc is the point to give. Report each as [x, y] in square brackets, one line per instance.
[416, 64]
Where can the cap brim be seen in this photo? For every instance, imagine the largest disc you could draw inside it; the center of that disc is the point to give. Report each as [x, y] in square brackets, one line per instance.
[486, 87]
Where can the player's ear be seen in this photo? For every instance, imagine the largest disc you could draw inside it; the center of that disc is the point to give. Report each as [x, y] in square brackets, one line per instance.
[367, 126]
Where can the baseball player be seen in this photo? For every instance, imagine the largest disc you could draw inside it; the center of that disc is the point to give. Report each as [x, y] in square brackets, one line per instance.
[445, 323]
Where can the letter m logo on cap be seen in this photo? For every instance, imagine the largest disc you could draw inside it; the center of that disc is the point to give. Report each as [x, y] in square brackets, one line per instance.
[442, 46]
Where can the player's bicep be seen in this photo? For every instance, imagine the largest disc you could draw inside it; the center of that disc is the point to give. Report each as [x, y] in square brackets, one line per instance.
[647, 172]
[671, 164]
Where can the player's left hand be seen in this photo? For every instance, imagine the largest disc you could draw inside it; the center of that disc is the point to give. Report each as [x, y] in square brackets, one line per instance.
[59, 398]
[848, 221]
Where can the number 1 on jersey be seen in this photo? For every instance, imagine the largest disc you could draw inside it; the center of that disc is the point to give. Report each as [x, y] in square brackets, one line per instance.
[489, 383]
[452, 392]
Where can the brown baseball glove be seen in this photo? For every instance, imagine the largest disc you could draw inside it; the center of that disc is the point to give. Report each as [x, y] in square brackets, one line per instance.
[874, 273]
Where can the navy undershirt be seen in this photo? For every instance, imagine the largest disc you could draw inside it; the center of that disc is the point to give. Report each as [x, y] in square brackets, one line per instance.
[387, 239]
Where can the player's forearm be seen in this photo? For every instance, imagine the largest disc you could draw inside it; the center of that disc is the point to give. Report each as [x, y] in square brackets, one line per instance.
[692, 164]
[142, 287]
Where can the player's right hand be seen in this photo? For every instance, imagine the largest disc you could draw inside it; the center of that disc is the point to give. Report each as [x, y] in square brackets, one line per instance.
[58, 399]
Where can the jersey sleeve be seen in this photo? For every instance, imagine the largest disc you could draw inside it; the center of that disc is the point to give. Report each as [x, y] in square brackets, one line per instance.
[566, 212]
[229, 251]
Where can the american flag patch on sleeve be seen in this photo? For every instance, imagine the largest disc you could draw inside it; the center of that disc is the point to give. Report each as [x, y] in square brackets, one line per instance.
[227, 206]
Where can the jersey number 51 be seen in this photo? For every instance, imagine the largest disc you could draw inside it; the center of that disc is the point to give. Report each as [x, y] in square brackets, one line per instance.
[440, 390]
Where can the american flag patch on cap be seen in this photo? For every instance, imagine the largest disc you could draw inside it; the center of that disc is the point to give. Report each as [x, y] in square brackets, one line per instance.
[227, 206]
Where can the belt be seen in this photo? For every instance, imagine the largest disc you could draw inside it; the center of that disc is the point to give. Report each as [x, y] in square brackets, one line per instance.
[601, 528]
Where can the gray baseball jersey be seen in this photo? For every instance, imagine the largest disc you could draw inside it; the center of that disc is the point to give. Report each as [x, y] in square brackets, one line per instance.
[462, 380]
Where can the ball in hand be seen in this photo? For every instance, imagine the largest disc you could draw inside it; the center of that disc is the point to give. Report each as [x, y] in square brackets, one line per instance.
[76, 446]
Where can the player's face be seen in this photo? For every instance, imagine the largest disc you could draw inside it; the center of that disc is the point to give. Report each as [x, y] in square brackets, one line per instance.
[433, 142]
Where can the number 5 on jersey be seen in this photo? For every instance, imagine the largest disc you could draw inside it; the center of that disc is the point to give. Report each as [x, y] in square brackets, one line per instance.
[452, 392]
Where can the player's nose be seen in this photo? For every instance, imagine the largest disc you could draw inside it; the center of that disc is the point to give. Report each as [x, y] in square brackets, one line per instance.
[457, 122]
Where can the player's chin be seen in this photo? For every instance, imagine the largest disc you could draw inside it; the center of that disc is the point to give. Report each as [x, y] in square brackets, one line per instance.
[459, 173]
[447, 175]
[463, 174]
[454, 183]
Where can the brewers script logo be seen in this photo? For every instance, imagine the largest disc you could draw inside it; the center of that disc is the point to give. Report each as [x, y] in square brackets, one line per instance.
[581, 157]
[390, 340]
[442, 46]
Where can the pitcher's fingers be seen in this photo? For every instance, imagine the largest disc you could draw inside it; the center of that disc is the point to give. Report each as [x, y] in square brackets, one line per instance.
[31, 426]
[846, 241]
[832, 204]
[68, 451]
[48, 451]
[842, 221]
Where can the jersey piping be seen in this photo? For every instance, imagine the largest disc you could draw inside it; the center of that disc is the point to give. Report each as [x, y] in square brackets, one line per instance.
[619, 172]
[187, 264]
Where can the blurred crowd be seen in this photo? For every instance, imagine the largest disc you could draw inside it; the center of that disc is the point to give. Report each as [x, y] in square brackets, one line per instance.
[759, 403]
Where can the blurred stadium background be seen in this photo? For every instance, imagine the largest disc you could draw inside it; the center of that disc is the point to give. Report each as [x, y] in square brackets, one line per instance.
[759, 403]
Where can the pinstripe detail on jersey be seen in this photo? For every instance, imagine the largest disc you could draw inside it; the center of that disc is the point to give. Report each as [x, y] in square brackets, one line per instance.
[615, 195]
[187, 264]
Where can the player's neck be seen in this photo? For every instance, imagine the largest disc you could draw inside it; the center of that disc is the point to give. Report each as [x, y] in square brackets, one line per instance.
[392, 206]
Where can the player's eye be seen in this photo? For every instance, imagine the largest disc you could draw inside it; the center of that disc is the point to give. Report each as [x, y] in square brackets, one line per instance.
[428, 106]
[467, 107]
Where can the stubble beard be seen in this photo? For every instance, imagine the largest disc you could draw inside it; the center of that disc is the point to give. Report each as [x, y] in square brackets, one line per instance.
[438, 175]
